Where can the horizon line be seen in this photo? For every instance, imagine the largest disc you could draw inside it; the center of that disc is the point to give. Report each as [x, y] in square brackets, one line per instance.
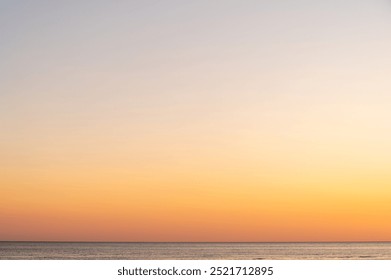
[40, 241]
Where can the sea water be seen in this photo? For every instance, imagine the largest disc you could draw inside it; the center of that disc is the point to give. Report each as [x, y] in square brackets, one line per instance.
[194, 251]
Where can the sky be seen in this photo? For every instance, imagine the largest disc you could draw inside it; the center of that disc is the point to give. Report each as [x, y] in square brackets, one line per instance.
[195, 120]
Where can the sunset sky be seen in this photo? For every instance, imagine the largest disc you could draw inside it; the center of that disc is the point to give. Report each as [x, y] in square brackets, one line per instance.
[195, 120]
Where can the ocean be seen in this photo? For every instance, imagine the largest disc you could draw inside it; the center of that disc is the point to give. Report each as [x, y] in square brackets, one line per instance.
[194, 251]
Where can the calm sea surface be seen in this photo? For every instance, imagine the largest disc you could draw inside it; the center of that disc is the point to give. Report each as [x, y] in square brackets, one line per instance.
[195, 251]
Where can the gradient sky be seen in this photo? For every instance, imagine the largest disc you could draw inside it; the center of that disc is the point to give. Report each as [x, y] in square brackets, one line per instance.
[195, 120]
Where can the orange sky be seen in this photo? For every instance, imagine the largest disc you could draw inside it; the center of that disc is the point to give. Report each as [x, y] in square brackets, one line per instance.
[200, 121]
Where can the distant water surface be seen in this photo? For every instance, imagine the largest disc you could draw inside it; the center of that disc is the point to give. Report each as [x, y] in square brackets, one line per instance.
[194, 251]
